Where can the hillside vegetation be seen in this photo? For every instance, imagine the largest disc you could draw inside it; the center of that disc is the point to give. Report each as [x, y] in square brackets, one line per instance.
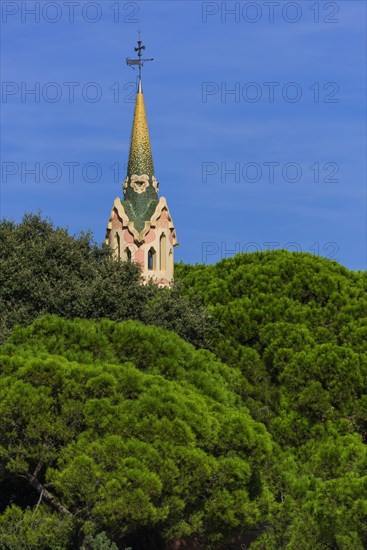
[135, 431]
[118, 434]
[295, 325]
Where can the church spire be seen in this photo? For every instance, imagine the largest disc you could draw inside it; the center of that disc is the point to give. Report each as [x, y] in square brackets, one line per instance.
[140, 227]
[140, 186]
[140, 157]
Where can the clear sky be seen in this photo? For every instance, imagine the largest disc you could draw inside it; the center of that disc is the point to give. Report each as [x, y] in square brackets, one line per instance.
[256, 113]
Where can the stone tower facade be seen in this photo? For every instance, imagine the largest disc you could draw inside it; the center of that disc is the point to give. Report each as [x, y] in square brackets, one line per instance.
[140, 227]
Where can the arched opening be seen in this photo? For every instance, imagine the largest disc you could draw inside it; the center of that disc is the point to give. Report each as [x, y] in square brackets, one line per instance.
[152, 259]
[128, 254]
[163, 252]
[116, 246]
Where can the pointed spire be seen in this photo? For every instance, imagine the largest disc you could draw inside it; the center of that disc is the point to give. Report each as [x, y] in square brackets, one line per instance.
[140, 158]
[140, 186]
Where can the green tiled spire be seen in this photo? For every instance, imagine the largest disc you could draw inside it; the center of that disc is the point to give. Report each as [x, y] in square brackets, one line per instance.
[140, 186]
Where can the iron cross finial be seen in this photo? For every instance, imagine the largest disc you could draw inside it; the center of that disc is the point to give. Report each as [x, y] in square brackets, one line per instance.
[139, 62]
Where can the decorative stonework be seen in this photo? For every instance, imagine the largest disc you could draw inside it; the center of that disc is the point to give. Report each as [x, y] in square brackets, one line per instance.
[162, 223]
[139, 183]
[140, 228]
[116, 222]
[125, 185]
[161, 213]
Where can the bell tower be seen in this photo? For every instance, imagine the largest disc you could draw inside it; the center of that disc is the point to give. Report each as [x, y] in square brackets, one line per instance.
[140, 227]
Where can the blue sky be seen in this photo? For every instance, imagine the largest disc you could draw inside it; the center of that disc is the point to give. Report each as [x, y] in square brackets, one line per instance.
[281, 160]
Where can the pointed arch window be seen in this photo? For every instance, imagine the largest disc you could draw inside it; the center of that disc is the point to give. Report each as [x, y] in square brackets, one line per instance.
[163, 252]
[116, 245]
[152, 259]
[128, 254]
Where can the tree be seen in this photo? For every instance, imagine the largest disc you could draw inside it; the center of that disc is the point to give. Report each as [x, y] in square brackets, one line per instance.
[295, 326]
[45, 270]
[127, 429]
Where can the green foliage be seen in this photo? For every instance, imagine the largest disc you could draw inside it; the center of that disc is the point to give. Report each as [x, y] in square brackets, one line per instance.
[295, 326]
[45, 270]
[145, 439]
[320, 511]
[37, 529]
[151, 349]
[99, 542]
[183, 314]
[134, 429]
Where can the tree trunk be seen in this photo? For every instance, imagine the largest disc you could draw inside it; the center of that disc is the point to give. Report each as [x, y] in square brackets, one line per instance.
[46, 495]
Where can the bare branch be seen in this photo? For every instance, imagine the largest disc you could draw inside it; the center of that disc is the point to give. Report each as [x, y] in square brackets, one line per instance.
[38, 503]
[48, 497]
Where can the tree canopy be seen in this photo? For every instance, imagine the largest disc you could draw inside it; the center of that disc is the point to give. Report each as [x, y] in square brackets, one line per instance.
[295, 325]
[138, 417]
[132, 430]
[44, 270]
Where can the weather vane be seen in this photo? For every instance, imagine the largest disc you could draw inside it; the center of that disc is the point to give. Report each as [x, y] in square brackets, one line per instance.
[139, 62]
